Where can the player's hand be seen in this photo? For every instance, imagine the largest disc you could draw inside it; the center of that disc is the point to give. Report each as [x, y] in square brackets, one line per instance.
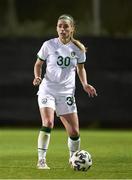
[37, 81]
[90, 90]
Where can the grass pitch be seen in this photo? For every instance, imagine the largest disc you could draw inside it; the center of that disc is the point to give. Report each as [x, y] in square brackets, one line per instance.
[111, 153]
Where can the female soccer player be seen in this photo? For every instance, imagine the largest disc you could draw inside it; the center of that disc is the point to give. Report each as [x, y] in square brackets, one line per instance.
[63, 56]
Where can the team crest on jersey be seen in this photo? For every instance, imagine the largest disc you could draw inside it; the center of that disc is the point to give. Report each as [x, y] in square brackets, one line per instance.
[73, 54]
[44, 101]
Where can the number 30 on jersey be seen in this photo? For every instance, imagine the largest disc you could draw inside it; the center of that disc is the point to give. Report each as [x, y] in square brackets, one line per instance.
[63, 61]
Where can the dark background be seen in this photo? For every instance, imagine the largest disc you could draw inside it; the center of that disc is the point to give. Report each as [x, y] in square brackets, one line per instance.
[24, 27]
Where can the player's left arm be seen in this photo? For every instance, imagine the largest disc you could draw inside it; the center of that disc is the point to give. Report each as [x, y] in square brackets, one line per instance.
[83, 78]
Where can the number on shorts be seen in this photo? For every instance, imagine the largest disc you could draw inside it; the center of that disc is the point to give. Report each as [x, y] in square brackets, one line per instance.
[70, 100]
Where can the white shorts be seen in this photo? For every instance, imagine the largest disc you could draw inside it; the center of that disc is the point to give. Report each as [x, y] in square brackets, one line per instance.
[61, 104]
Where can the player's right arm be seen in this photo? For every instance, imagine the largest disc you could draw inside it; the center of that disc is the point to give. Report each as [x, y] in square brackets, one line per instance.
[37, 72]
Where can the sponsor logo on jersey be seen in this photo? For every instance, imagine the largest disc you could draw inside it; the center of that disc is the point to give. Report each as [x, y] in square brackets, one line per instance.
[56, 52]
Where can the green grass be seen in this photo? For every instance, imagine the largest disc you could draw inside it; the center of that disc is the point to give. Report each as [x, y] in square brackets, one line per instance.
[111, 153]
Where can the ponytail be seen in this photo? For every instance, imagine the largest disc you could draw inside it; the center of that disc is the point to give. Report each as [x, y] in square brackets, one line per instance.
[78, 44]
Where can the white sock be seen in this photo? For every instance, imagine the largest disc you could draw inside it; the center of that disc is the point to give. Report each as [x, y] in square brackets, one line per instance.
[73, 145]
[43, 143]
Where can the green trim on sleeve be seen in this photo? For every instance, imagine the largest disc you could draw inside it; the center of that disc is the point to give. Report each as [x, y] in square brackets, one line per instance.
[81, 63]
[40, 58]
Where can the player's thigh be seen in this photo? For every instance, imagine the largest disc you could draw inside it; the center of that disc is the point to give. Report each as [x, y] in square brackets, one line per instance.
[71, 123]
[47, 108]
[47, 116]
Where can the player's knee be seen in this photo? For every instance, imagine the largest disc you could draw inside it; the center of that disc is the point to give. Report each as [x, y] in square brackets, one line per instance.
[49, 123]
[74, 132]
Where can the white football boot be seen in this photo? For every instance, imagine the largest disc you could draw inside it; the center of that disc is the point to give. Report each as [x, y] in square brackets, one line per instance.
[42, 164]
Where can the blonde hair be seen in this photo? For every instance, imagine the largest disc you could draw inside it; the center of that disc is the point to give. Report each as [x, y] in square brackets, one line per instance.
[75, 41]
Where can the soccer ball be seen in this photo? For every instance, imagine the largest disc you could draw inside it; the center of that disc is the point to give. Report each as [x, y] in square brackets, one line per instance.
[81, 160]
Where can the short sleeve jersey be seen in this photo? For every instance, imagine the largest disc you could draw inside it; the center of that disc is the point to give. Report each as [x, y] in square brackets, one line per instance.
[61, 60]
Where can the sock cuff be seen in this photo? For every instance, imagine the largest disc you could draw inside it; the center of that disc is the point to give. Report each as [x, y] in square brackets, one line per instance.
[74, 138]
[45, 129]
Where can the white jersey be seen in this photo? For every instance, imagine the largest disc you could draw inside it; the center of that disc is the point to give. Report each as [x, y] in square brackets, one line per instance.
[61, 60]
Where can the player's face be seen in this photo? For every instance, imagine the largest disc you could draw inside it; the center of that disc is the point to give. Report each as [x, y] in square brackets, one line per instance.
[64, 29]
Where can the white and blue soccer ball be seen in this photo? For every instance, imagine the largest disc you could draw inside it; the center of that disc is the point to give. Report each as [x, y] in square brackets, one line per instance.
[81, 160]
